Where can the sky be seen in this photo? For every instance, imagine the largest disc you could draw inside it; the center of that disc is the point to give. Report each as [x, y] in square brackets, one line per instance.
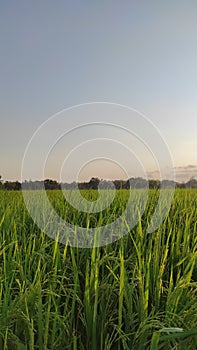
[55, 55]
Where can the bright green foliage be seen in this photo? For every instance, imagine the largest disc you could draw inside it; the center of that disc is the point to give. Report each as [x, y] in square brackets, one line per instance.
[138, 293]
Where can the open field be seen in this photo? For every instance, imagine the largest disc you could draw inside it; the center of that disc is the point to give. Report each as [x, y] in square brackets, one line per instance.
[121, 296]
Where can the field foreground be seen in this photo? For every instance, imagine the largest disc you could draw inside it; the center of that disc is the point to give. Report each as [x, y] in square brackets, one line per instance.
[139, 292]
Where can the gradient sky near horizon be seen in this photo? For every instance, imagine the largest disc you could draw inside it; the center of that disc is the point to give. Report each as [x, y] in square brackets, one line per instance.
[54, 55]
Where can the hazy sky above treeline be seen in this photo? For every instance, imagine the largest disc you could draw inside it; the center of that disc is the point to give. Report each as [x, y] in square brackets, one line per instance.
[55, 55]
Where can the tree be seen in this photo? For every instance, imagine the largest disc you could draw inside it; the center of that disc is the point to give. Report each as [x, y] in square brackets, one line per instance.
[12, 185]
[93, 183]
[192, 183]
[51, 184]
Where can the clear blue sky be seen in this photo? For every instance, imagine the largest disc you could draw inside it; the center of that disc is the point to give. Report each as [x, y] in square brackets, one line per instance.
[55, 54]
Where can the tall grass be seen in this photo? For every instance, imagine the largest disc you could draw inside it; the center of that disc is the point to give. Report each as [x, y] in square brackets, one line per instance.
[137, 293]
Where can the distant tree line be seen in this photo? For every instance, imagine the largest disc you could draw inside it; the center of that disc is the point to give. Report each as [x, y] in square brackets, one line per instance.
[137, 183]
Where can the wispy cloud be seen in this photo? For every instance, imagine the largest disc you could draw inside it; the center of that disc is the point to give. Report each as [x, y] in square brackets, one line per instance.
[186, 167]
[185, 173]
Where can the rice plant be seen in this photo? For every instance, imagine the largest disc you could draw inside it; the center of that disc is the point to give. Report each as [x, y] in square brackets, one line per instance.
[138, 293]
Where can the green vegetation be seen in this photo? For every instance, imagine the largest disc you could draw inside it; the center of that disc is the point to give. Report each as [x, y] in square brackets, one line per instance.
[137, 293]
